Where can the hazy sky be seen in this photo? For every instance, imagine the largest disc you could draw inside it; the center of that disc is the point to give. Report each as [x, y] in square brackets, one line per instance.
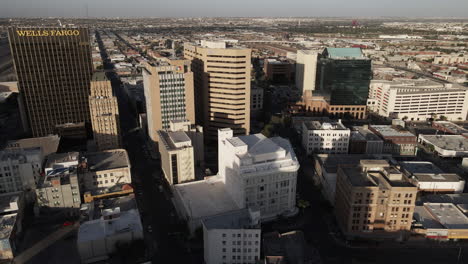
[219, 8]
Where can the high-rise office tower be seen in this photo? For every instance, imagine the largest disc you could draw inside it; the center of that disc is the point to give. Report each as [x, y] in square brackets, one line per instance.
[54, 70]
[222, 87]
[169, 96]
[306, 71]
[104, 113]
[345, 73]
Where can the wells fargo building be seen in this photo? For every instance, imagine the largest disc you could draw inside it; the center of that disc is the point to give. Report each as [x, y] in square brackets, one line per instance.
[54, 70]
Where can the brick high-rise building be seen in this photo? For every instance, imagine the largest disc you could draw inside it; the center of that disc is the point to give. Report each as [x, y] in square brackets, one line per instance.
[104, 113]
[54, 70]
[374, 200]
[222, 87]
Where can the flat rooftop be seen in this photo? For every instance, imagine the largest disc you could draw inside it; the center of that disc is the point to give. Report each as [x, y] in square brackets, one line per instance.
[331, 161]
[424, 167]
[457, 198]
[422, 215]
[357, 177]
[345, 53]
[317, 125]
[238, 219]
[7, 222]
[448, 142]
[389, 131]
[205, 198]
[55, 158]
[174, 140]
[452, 127]
[9, 202]
[107, 160]
[99, 76]
[128, 221]
[19, 154]
[360, 133]
[448, 215]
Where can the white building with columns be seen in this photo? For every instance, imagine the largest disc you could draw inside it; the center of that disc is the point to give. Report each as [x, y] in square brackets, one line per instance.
[259, 172]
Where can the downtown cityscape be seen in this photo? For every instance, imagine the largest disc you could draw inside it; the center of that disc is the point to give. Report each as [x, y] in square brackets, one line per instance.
[231, 139]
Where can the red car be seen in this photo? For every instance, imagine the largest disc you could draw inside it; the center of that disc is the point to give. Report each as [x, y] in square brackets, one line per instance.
[68, 223]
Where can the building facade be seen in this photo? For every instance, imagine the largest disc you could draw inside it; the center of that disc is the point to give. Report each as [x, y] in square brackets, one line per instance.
[59, 189]
[177, 156]
[20, 169]
[419, 99]
[374, 200]
[325, 137]
[345, 74]
[232, 237]
[54, 69]
[278, 71]
[259, 172]
[222, 87]
[169, 96]
[104, 169]
[104, 112]
[397, 141]
[306, 71]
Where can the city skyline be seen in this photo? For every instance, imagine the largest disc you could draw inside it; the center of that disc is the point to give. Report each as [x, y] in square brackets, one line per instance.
[211, 8]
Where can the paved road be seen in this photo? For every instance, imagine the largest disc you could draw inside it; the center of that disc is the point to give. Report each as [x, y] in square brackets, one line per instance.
[155, 206]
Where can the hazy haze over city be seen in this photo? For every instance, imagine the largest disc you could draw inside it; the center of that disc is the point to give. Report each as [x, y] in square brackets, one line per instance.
[240, 8]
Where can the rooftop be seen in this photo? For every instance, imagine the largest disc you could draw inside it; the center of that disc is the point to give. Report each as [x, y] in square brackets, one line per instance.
[345, 53]
[456, 129]
[332, 161]
[128, 221]
[357, 177]
[458, 198]
[238, 219]
[107, 160]
[20, 155]
[448, 215]
[7, 222]
[55, 158]
[360, 133]
[425, 171]
[422, 215]
[99, 76]
[317, 125]
[389, 131]
[9, 202]
[448, 142]
[205, 198]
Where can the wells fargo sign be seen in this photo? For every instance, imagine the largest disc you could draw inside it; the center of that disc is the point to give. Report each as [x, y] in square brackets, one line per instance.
[48, 33]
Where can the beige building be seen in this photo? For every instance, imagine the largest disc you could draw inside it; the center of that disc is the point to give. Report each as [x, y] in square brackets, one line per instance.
[104, 113]
[105, 169]
[306, 71]
[169, 95]
[374, 200]
[59, 189]
[222, 86]
[181, 149]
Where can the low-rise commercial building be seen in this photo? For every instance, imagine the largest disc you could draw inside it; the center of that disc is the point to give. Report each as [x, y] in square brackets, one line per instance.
[61, 160]
[325, 137]
[11, 223]
[429, 178]
[446, 145]
[449, 127]
[397, 141]
[419, 99]
[442, 221]
[104, 169]
[48, 144]
[374, 200]
[364, 141]
[59, 188]
[111, 222]
[232, 237]
[20, 169]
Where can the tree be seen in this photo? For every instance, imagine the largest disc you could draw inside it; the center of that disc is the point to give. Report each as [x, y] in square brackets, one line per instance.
[404, 118]
[443, 118]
